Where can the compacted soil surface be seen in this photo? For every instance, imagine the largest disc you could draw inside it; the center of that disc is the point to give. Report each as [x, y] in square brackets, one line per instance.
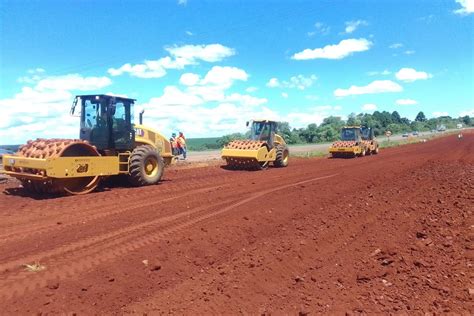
[387, 233]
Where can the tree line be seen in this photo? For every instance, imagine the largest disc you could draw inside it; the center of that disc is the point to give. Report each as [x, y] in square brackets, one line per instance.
[381, 122]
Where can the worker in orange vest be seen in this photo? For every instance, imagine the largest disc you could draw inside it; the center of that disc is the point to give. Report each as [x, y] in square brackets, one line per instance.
[182, 144]
[174, 145]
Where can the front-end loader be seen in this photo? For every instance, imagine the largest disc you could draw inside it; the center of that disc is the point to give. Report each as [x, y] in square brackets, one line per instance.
[355, 141]
[264, 146]
[109, 144]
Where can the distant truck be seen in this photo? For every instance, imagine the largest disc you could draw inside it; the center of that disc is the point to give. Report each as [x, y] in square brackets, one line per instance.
[441, 128]
[459, 126]
[355, 141]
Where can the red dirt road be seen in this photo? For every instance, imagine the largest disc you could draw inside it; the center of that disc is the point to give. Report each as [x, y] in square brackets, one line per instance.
[379, 234]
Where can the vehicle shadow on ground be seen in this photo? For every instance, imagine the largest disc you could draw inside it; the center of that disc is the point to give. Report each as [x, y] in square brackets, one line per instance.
[237, 169]
[122, 182]
[343, 157]
[104, 186]
[22, 192]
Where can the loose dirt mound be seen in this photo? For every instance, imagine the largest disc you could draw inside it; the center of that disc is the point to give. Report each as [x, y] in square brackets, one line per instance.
[379, 234]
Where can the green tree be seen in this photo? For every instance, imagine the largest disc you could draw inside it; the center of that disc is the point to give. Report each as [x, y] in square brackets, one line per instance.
[396, 118]
[224, 140]
[385, 118]
[290, 136]
[466, 120]
[420, 117]
[310, 133]
[333, 120]
[353, 120]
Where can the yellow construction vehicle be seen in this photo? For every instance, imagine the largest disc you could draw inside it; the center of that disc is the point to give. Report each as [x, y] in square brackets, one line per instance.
[355, 141]
[110, 144]
[262, 147]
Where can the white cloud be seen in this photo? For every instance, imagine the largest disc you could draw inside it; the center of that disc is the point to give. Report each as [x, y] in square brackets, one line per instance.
[189, 33]
[351, 26]
[150, 69]
[208, 119]
[211, 88]
[376, 73]
[396, 45]
[182, 2]
[36, 70]
[410, 75]
[299, 82]
[313, 115]
[369, 107]
[338, 51]
[209, 53]
[214, 83]
[173, 96]
[245, 99]
[377, 86]
[467, 7]
[73, 82]
[320, 28]
[189, 79]
[273, 83]
[180, 56]
[409, 52]
[207, 108]
[440, 113]
[224, 76]
[406, 102]
[251, 89]
[284, 95]
[42, 110]
[199, 118]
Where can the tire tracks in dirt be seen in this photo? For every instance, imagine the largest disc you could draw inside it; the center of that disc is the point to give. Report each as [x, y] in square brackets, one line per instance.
[100, 200]
[96, 213]
[81, 256]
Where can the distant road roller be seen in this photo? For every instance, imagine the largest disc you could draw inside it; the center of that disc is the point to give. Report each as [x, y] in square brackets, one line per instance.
[109, 144]
[355, 141]
[263, 147]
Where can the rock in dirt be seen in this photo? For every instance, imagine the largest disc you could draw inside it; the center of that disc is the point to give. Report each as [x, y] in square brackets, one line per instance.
[155, 267]
[375, 252]
[53, 286]
[421, 235]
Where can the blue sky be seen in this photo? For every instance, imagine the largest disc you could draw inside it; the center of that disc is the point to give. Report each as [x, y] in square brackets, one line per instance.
[205, 67]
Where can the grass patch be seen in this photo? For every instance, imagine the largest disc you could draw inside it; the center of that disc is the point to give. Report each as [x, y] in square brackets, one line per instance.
[202, 144]
[35, 267]
[396, 143]
[310, 154]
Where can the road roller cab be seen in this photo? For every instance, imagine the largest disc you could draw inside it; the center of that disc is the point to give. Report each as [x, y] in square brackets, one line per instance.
[110, 144]
[262, 147]
[106, 121]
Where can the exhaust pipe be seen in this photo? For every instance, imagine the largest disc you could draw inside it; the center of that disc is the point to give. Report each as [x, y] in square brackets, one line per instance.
[140, 119]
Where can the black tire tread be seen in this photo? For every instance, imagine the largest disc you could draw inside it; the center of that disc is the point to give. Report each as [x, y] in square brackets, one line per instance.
[279, 161]
[137, 160]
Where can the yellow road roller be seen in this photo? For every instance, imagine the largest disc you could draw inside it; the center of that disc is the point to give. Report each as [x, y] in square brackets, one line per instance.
[109, 144]
[355, 141]
[264, 146]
